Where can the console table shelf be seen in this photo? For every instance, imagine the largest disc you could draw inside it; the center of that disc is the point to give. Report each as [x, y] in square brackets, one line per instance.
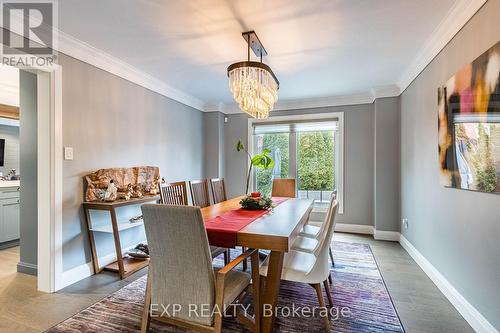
[124, 266]
[121, 226]
[130, 265]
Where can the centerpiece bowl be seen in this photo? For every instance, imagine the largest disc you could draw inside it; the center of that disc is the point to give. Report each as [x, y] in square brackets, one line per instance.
[256, 201]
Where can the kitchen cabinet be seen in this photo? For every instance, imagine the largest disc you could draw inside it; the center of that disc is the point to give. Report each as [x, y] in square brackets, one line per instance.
[9, 213]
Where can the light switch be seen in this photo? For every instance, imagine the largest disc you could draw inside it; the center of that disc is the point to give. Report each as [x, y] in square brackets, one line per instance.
[68, 153]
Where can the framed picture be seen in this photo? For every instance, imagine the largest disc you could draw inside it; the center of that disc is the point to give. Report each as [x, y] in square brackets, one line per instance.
[469, 125]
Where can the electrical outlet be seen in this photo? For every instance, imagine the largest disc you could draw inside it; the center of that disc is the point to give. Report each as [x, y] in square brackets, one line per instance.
[404, 222]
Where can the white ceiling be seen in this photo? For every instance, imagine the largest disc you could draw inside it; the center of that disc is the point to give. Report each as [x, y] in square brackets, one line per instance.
[317, 48]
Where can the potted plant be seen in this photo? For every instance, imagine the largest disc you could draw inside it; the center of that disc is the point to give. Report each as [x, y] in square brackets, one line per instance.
[264, 161]
[261, 161]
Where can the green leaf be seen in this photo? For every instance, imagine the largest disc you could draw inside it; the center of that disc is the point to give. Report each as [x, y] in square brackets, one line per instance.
[240, 146]
[271, 164]
[257, 159]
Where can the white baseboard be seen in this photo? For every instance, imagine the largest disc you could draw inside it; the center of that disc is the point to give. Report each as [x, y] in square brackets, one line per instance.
[469, 312]
[386, 235]
[83, 271]
[75, 274]
[354, 228]
[365, 230]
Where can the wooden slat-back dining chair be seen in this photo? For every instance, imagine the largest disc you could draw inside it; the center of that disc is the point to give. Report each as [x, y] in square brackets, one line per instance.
[181, 274]
[174, 194]
[199, 193]
[283, 187]
[218, 189]
[219, 194]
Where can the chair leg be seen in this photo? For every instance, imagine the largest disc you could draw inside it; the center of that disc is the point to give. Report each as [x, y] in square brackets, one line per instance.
[321, 300]
[256, 281]
[146, 315]
[245, 263]
[331, 256]
[227, 257]
[328, 293]
[330, 280]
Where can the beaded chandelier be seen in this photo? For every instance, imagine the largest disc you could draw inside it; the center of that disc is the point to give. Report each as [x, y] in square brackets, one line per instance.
[253, 84]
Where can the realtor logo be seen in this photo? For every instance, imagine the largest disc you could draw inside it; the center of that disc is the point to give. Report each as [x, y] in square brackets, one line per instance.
[28, 33]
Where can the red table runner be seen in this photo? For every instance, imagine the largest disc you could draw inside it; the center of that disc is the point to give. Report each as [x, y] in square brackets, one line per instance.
[222, 230]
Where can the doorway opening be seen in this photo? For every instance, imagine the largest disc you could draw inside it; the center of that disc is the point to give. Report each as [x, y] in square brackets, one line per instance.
[10, 194]
[31, 186]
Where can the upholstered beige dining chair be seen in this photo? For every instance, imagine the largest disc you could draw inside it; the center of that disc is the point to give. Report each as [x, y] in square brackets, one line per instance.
[311, 268]
[311, 234]
[181, 274]
[176, 194]
[283, 187]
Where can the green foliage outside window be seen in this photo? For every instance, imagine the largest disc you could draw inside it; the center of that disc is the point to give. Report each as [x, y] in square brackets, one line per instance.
[316, 167]
[315, 161]
[273, 142]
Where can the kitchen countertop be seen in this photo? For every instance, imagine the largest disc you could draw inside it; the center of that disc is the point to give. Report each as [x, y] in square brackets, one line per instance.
[9, 183]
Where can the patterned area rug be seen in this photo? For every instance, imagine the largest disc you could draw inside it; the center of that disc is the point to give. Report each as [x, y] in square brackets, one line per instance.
[360, 298]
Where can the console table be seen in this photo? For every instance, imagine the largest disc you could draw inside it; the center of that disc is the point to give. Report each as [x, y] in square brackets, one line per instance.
[124, 266]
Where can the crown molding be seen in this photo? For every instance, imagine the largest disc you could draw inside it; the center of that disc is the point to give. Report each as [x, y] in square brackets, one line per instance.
[295, 104]
[80, 50]
[73, 47]
[215, 107]
[367, 97]
[310, 103]
[461, 12]
[385, 91]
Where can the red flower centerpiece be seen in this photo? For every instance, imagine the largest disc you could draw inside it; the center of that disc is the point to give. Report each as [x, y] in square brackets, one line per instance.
[256, 201]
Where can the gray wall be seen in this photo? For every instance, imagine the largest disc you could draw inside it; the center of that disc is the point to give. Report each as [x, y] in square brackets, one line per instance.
[28, 169]
[236, 162]
[358, 160]
[386, 167]
[111, 122]
[11, 152]
[213, 143]
[455, 230]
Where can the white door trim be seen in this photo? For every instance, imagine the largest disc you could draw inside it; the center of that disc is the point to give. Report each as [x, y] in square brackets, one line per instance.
[49, 178]
[49, 174]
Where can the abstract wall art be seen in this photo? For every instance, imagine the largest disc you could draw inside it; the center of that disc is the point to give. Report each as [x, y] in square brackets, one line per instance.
[469, 125]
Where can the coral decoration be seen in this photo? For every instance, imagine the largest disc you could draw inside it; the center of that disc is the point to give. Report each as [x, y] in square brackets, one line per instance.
[132, 182]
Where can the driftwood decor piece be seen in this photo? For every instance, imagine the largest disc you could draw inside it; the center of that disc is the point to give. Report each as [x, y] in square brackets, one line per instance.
[122, 183]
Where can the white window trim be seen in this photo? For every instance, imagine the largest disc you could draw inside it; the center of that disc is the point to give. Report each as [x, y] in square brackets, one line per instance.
[339, 145]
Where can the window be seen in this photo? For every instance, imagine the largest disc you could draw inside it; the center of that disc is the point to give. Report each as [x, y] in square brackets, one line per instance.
[308, 148]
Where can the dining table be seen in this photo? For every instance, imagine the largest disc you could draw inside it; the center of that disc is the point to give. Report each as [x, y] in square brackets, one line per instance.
[274, 231]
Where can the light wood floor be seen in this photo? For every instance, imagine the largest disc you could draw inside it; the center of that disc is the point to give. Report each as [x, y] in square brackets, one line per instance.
[420, 305]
